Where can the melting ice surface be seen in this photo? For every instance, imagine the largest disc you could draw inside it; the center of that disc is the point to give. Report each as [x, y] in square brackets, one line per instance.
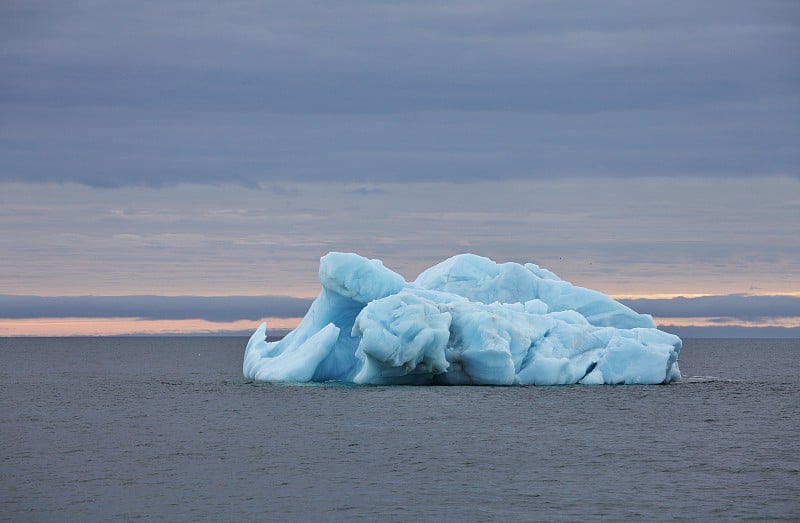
[467, 320]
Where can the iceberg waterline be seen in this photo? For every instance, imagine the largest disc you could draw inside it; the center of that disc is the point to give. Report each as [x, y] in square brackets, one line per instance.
[465, 321]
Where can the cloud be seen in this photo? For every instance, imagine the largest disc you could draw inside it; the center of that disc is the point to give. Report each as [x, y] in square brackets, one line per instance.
[737, 306]
[732, 331]
[217, 308]
[257, 93]
[627, 237]
[232, 308]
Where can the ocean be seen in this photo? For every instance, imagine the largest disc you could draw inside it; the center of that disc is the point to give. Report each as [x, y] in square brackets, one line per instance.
[166, 429]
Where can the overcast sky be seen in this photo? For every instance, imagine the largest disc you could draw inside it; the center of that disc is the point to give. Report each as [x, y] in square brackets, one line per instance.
[220, 148]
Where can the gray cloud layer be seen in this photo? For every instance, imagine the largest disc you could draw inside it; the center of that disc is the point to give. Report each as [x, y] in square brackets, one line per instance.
[146, 93]
[740, 307]
[734, 331]
[217, 308]
[231, 308]
[628, 237]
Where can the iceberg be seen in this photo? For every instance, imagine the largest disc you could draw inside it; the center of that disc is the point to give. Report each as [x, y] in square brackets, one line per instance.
[465, 321]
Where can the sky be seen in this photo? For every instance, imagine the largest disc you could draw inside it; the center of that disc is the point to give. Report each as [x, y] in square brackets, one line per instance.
[182, 166]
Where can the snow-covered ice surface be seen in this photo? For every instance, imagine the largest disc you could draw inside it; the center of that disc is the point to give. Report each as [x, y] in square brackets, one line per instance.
[465, 321]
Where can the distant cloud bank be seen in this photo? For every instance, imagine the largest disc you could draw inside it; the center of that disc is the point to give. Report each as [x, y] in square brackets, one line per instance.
[210, 308]
[739, 306]
[734, 307]
[732, 331]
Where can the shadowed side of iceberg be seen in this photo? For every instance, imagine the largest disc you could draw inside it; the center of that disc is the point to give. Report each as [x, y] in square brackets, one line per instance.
[349, 282]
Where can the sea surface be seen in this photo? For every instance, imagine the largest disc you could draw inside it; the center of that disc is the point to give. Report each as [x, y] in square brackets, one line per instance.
[166, 429]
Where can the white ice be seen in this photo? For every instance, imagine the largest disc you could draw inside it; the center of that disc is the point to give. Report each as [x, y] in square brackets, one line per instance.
[465, 321]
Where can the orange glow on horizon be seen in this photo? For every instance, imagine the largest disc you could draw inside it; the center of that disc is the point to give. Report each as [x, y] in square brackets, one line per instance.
[791, 322]
[133, 326]
[138, 326]
[669, 296]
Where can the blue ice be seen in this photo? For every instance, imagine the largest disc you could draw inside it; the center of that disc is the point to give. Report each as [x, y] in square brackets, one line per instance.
[465, 321]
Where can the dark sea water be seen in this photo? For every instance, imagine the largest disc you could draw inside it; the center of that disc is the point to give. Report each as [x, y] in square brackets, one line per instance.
[97, 429]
